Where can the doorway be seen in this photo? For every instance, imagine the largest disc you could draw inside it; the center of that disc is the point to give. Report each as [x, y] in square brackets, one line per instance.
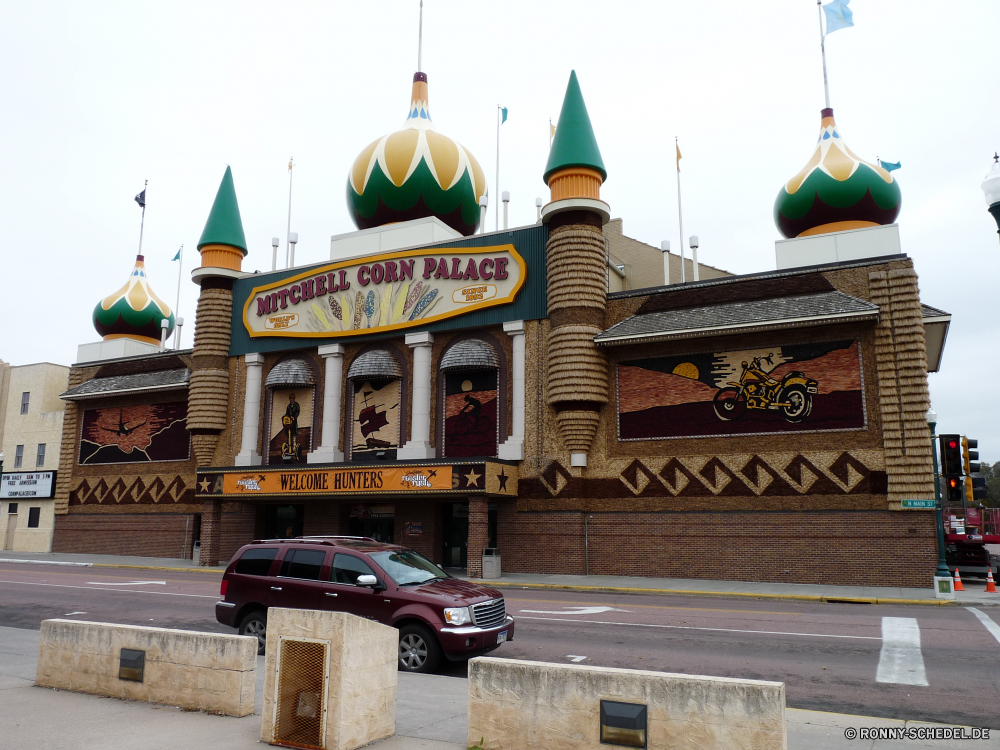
[8, 537]
[456, 534]
[283, 521]
[379, 529]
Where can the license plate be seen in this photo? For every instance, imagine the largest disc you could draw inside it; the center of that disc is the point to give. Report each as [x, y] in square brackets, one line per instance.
[501, 637]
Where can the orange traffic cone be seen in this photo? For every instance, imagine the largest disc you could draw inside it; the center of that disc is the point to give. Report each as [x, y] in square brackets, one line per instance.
[958, 581]
[991, 587]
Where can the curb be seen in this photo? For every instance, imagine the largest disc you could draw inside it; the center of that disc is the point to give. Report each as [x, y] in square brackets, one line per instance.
[159, 567]
[739, 594]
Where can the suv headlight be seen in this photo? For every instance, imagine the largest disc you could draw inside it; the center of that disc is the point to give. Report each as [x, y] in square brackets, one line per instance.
[457, 615]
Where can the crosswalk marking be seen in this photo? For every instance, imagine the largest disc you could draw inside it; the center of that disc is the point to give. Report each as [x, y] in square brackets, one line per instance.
[901, 661]
[987, 623]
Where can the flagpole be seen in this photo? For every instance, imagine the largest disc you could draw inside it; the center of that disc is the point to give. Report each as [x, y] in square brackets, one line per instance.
[822, 48]
[680, 214]
[142, 221]
[496, 208]
[550, 134]
[177, 307]
[288, 229]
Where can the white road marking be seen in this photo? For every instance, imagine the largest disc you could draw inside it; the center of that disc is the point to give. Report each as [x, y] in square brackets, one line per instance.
[575, 658]
[901, 661]
[579, 611]
[94, 588]
[715, 630]
[45, 562]
[127, 583]
[70, 614]
[987, 623]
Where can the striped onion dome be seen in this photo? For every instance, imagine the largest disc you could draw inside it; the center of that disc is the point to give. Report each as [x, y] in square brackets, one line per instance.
[416, 172]
[836, 190]
[375, 363]
[134, 311]
[471, 354]
[290, 372]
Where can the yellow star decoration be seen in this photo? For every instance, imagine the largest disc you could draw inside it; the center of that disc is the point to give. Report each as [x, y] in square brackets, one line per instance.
[203, 485]
[473, 478]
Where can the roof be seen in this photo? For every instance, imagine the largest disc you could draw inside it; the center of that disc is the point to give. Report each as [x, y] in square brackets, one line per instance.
[715, 320]
[469, 354]
[224, 225]
[375, 363]
[574, 144]
[290, 372]
[936, 325]
[162, 380]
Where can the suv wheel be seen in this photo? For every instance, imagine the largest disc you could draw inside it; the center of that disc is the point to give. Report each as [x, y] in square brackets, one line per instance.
[418, 649]
[255, 624]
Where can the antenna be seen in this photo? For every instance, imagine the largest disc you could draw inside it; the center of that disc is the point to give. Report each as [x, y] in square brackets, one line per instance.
[420, 39]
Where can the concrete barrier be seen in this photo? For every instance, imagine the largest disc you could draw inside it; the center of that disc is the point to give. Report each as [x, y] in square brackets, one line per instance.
[202, 671]
[521, 705]
[329, 681]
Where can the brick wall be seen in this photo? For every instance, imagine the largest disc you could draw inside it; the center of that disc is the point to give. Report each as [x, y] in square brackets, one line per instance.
[145, 534]
[239, 525]
[860, 548]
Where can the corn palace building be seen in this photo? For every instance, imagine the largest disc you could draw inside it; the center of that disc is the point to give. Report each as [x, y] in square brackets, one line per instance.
[453, 390]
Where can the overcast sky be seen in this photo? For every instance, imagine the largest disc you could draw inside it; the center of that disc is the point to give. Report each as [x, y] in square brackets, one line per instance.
[99, 96]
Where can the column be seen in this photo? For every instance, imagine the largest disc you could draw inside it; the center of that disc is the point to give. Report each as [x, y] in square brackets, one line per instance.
[248, 455]
[513, 448]
[333, 363]
[478, 538]
[419, 444]
[211, 532]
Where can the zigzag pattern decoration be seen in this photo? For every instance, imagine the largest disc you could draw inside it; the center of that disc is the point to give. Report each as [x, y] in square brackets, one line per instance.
[121, 490]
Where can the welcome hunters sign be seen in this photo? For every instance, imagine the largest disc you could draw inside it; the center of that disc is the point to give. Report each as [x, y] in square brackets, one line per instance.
[385, 292]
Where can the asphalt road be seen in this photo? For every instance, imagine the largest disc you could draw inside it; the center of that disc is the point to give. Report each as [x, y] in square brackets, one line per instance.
[870, 660]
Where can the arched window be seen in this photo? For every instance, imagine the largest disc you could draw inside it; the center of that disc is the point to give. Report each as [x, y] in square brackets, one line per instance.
[375, 377]
[291, 388]
[470, 370]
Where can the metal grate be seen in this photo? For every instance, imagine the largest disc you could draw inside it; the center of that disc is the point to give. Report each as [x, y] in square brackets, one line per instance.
[489, 614]
[300, 710]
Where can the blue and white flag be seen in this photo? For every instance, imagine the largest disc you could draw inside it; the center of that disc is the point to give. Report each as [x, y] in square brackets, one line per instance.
[838, 15]
[888, 166]
[178, 256]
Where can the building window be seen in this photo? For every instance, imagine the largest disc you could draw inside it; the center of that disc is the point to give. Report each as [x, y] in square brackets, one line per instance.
[33, 515]
[12, 507]
[40, 456]
[18, 456]
[24, 402]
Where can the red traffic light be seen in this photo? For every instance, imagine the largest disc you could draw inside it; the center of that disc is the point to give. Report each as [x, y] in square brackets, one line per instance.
[953, 444]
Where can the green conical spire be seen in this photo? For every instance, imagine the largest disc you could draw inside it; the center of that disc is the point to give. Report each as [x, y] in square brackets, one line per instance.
[574, 144]
[224, 226]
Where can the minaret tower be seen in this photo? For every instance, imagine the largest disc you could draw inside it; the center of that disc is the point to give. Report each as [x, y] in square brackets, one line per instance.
[222, 247]
[577, 276]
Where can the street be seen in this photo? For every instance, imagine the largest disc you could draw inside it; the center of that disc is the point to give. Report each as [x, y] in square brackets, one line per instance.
[908, 662]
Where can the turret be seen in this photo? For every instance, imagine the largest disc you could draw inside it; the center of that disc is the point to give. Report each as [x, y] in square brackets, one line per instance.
[577, 276]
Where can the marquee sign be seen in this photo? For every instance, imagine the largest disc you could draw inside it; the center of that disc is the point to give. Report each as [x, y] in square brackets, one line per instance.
[38, 484]
[385, 292]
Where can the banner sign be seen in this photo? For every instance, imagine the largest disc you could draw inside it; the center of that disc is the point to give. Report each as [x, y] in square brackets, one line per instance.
[353, 481]
[27, 484]
[385, 292]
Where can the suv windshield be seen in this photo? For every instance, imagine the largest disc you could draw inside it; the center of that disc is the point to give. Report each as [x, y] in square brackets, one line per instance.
[406, 567]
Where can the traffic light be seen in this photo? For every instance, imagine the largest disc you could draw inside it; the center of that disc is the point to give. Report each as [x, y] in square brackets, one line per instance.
[951, 455]
[975, 489]
[970, 458]
[954, 489]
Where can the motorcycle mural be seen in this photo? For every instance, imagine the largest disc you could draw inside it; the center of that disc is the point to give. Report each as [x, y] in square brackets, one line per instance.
[756, 389]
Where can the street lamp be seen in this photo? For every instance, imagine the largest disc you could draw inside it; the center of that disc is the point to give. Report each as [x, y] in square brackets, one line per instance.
[991, 188]
[942, 566]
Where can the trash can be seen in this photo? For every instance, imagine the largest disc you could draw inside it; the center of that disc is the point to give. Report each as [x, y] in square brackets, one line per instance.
[491, 564]
[196, 553]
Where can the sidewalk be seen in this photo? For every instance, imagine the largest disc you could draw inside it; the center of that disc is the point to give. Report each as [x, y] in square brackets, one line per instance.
[431, 714]
[974, 595]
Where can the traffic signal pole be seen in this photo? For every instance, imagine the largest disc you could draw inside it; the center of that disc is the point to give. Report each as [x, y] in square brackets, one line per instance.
[942, 565]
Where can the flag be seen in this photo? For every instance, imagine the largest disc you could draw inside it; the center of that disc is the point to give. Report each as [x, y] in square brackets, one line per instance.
[678, 157]
[141, 198]
[888, 166]
[838, 15]
[503, 115]
[552, 130]
[289, 165]
[178, 256]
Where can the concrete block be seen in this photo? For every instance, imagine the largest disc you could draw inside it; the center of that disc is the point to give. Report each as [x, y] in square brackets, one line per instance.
[526, 704]
[202, 671]
[361, 676]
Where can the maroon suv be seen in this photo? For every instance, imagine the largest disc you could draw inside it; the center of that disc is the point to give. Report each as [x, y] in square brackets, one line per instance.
[435, 613]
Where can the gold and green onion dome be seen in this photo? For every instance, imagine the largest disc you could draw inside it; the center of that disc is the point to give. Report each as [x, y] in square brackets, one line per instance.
[134, 311]
[836, 191]
[416, 172]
